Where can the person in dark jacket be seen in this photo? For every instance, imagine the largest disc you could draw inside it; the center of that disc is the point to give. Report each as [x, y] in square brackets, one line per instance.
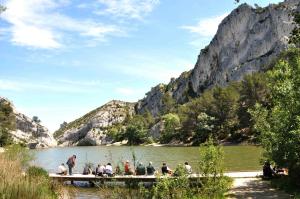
[165, 169]
[140, 169]
[150, 169]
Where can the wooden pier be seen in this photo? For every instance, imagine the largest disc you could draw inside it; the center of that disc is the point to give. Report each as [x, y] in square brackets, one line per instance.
[141, 178]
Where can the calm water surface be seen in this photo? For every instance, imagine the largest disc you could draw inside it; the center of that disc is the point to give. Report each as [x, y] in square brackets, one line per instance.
[237, 158]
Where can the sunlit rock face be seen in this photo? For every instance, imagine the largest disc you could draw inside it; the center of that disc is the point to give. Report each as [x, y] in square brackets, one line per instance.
[91, 129]
[247, 41]
[29, 132]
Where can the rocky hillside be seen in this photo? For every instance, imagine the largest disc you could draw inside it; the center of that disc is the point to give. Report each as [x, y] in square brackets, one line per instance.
[28, 131]
[247, 40]
[91, 128]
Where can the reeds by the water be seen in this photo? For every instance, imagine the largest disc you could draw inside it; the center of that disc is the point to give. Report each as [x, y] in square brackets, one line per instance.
[16, 184]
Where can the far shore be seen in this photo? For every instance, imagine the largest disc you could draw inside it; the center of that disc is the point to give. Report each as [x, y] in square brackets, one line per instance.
[161, 145]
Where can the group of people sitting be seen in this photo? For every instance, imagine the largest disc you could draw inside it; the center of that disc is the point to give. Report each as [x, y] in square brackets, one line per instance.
[126, 169]
[269, 172]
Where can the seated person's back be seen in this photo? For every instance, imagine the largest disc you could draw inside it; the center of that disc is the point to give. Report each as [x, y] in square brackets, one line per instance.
[87, 170]
[108, 169]
[100, 170]
[188, 168]
[267, 170]
[165, 169]
[150, 169]
[62, 170]
[127, 169]
[140, 169]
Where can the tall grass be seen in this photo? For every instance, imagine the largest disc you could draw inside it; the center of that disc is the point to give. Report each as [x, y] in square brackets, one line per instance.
[17, 182]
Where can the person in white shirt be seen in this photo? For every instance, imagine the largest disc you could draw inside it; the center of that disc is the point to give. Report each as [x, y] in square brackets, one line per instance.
[100, 170]
[188, 168]
[109, 170]
[62, 170]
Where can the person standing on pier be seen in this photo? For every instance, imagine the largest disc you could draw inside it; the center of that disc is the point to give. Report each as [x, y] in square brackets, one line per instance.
[71, 163]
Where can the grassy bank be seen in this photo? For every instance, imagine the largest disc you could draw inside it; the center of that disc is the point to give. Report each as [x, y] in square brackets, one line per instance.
[20, 181]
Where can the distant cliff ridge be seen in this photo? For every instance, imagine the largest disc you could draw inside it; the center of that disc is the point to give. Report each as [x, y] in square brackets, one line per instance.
[91, 128]
[247, 40]
[30, 132]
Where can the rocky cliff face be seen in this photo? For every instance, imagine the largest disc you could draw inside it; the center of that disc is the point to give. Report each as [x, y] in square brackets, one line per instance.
[247, 40]
[30, 132]
[91, 128]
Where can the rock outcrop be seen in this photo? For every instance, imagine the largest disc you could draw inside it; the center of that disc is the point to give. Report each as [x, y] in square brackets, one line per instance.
[30, 132]
[247, 41]
[90, 130]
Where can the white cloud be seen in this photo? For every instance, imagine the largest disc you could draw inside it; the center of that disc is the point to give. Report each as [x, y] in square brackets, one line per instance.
[204, 30]
[38, 24]
[58, 86]
[206, 27]
[135, 9]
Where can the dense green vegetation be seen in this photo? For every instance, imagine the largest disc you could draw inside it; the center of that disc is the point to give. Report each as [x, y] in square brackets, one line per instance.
[7, 122]
[220, 112]
[279, 123]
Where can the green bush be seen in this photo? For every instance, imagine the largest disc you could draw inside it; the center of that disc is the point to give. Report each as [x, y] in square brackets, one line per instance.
[34, 171]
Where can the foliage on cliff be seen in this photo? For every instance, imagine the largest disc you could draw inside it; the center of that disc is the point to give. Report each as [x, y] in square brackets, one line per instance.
[7, 122]
[220, 112]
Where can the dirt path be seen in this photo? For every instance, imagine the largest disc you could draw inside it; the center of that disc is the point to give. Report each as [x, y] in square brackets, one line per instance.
[248, 188]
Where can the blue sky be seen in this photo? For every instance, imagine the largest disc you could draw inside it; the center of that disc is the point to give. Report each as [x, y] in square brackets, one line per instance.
[60, 59]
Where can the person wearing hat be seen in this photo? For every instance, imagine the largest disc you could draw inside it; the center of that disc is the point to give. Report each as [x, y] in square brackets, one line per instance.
[150, 169]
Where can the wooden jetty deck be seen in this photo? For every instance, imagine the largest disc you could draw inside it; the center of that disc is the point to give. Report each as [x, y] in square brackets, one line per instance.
[141, 178]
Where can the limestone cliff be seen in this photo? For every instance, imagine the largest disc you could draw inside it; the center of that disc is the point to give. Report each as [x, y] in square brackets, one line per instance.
[28, 131]
[91, 128]
[247, 40]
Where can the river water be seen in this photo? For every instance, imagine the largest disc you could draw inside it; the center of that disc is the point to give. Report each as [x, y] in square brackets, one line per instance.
[237, 158]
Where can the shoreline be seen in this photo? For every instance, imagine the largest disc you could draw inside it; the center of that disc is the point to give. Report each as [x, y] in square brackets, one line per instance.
[119, 144]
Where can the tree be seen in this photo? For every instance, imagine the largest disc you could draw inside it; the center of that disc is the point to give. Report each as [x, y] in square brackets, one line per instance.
[224, 109]
[279, 124]
[169, 104]
[36, 119]
[2, 8]
[7, 122]
[63, 125]
[205, 126]
[253, 89]
[136, 130]
[295, 35]
[211, 167]
[171, 124]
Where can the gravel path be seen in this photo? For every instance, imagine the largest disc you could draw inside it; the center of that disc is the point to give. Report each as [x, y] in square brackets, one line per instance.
[253, 187]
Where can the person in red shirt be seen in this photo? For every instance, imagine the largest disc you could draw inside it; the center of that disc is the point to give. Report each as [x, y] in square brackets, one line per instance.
[127, 168]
